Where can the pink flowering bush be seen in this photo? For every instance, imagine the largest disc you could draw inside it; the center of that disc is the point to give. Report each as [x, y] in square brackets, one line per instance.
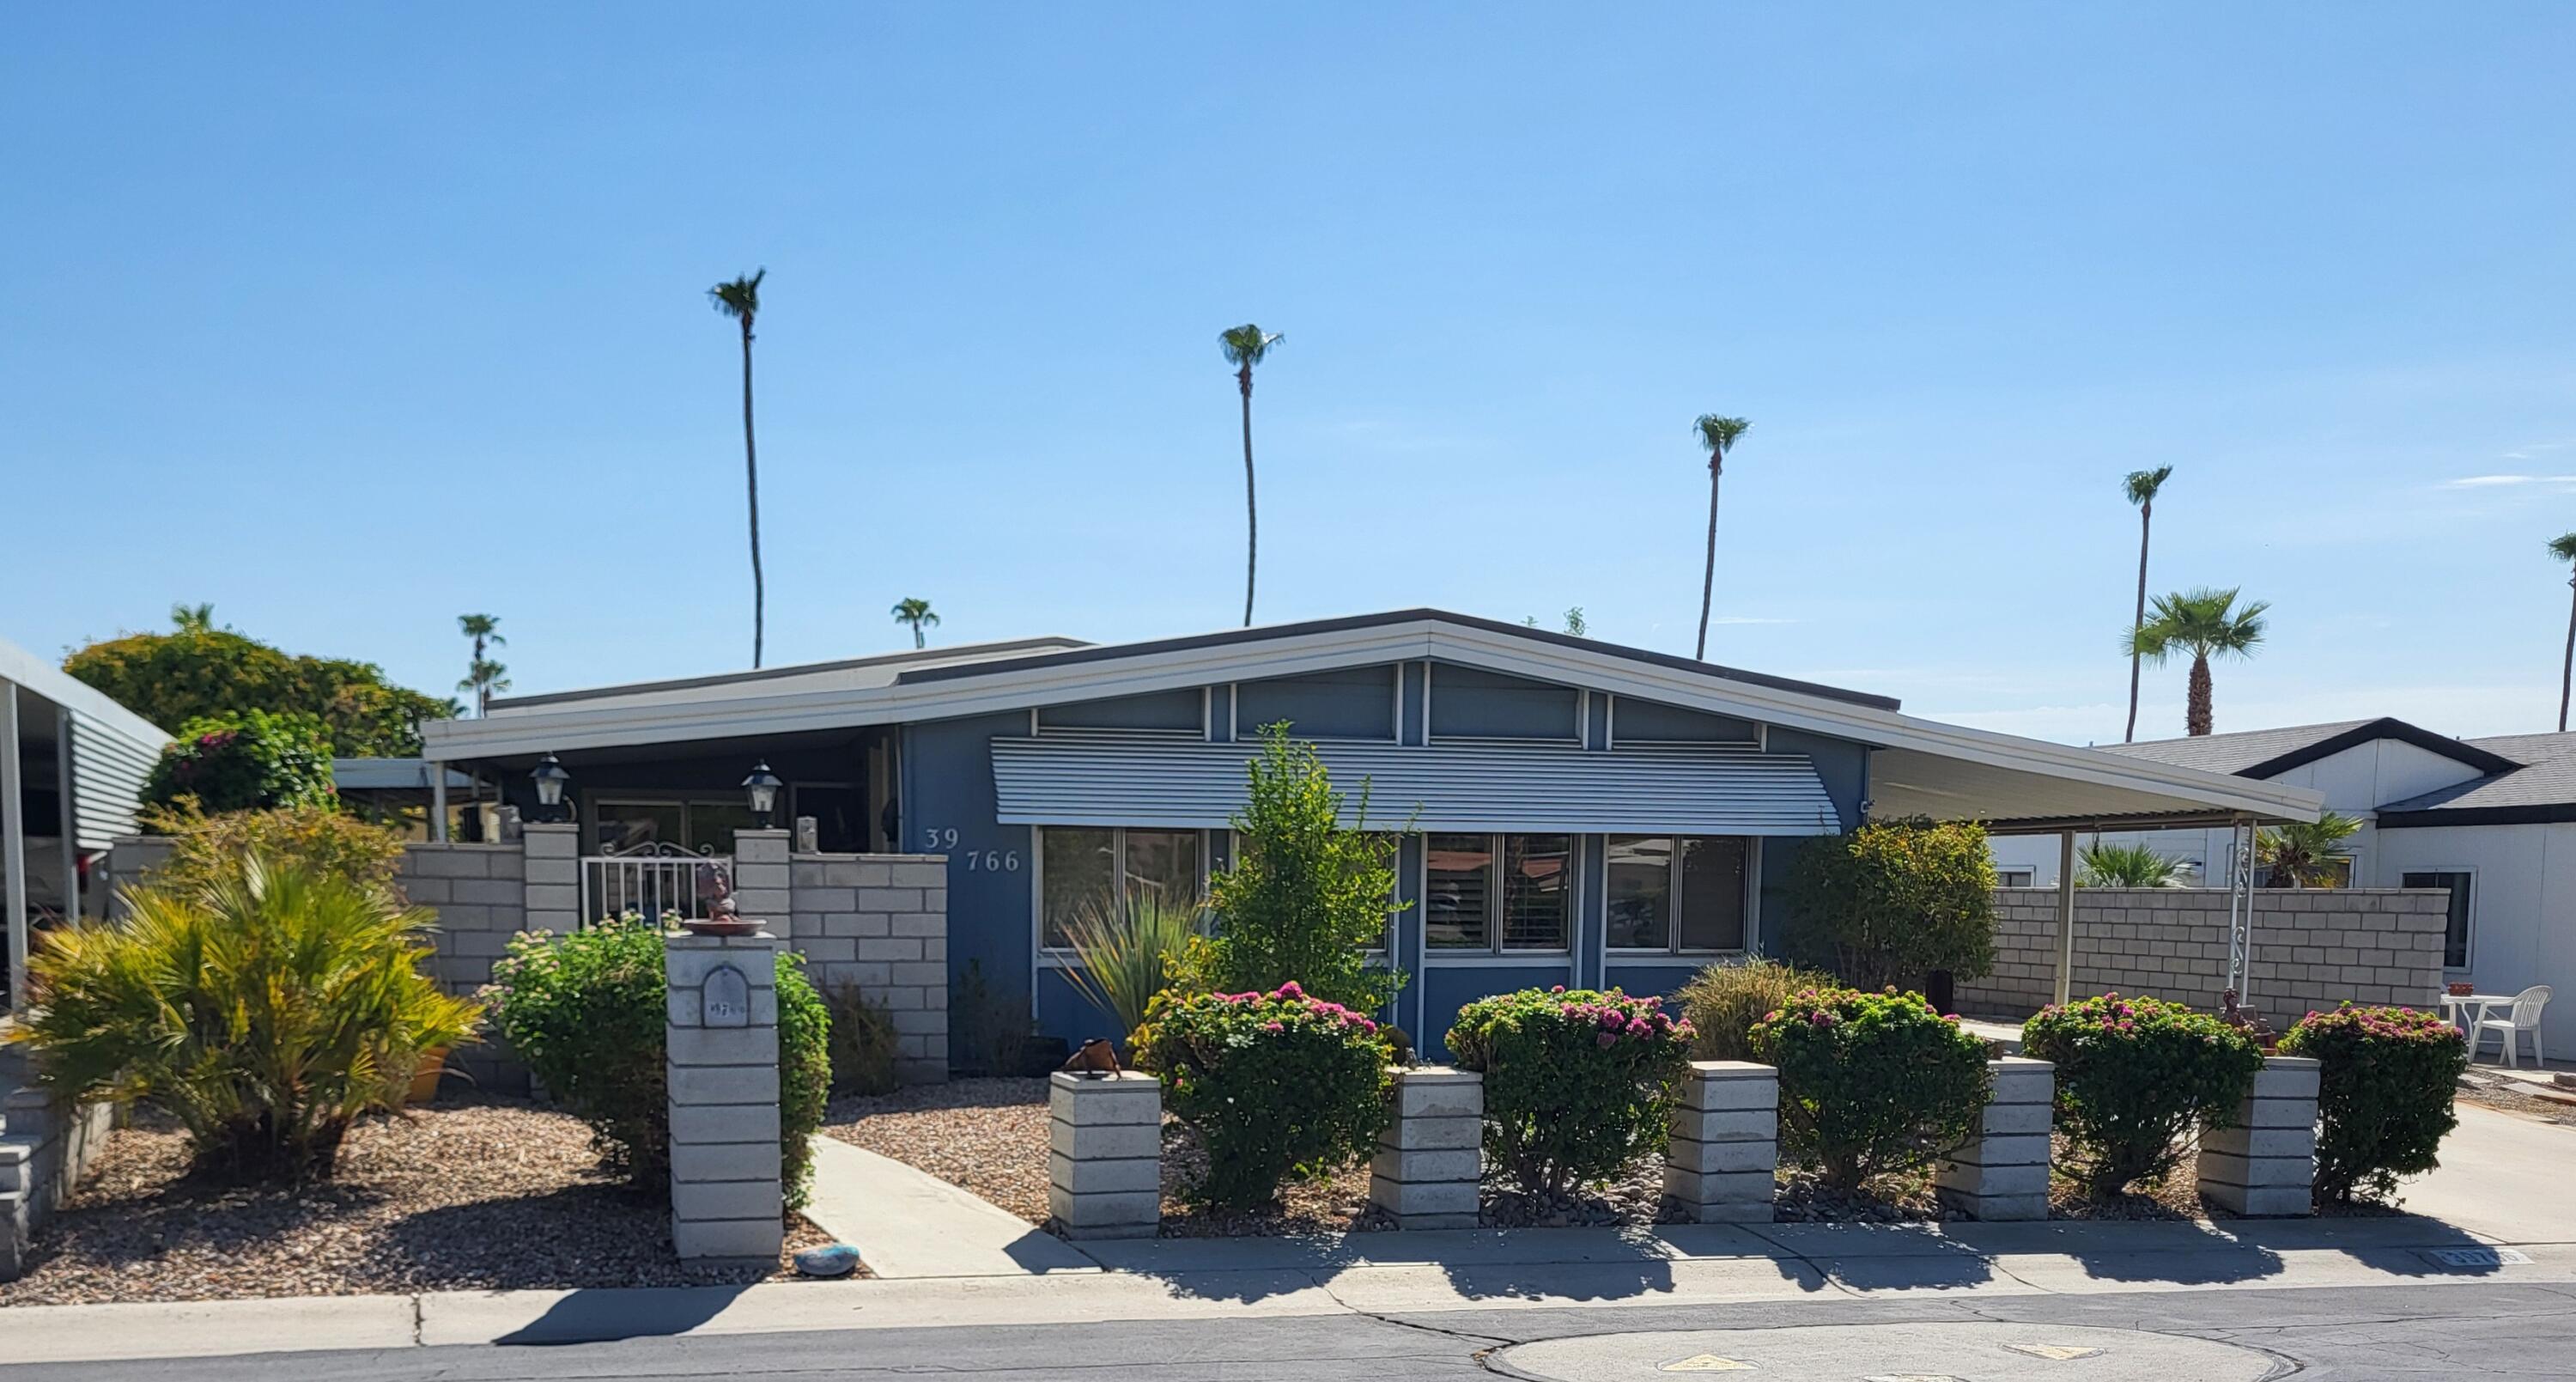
[2134, 1075]
[1277, 1084]
[1578, 1083]
[2383, 1095]
[1871, 1084]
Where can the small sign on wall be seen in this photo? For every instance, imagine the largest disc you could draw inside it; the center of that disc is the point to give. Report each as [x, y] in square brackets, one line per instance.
[726, 999]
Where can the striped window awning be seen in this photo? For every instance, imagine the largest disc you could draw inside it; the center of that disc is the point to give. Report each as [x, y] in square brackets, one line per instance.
[1138, 780]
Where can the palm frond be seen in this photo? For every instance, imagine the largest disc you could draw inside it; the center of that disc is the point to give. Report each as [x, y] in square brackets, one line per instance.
[2205, 622]
[1717, 433]
[2563, 547]
[2141, 486]
[740, 297]
[1247, 344]
[2126, 866]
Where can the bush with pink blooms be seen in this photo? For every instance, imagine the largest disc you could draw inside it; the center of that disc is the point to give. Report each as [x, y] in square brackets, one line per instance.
[2384, 1094]
[2134, 1075]
[1578, 1083]
[1871, 1084]
[1277, 1084]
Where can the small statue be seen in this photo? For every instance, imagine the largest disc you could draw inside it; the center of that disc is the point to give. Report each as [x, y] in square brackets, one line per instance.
[2247, 1020]
[715, 897]
[1095, 1058]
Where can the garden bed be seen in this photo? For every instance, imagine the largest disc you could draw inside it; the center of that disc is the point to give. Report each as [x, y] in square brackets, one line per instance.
[476, 1193]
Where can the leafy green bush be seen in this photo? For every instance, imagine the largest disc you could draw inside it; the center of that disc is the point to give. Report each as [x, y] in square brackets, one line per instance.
[265, 1008]
[864, 1041]
[1278, 1084]
[586, 1014]
[198, 670]
[2383, 1097]
[1578, 1083]
[1724, 1001]
[1872, 1084]
[2133, 1076]
[243, 761]
[1894, 901]
[204, 848]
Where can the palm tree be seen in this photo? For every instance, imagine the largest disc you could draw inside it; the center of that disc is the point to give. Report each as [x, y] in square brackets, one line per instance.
[193, 618]
[1245, 346]
[1717, 435]
[2207, 624]
[2564, 548]
[915, 612]
[483, 676]
[2141, 486]
[740, 300]
[2302, 853]
[2126, 866]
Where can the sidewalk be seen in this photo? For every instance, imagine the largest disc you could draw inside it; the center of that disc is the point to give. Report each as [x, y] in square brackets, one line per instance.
[1372, 1275]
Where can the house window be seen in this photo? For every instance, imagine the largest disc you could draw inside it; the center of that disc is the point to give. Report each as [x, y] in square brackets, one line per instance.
[698, 825]
[2455, 937]
[1498, 892]
[2016, 878]
[1677, 894]
[1082, 866]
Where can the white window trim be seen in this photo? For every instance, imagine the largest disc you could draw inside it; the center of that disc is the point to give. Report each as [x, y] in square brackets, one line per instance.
[2029, 873]
[1674, 953]
[2468, 961]
[1494, 951]
[1044, 956]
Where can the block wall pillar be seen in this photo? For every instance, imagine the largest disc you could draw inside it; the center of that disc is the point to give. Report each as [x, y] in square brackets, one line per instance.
[1105, 1154]
[2265, 1166]
[727, 1191]
[2002, 1172]
[1430, 1161]
[1725, 1144]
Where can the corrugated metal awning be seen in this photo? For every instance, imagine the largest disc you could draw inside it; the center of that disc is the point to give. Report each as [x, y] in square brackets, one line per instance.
[1137, 780]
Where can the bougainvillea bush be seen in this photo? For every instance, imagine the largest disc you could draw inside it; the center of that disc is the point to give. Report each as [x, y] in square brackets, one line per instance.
[2134, 1075]
[1871, 1084]
[245, 761]
[2383, 1096]
[1578, 1083]
[1277, 1084]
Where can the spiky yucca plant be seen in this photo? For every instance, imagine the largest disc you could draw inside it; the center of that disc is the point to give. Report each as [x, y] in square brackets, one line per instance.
[265, 1009]
[1125, 948]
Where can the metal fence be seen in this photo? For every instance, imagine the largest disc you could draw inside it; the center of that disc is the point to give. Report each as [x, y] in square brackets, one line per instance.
[657, 881]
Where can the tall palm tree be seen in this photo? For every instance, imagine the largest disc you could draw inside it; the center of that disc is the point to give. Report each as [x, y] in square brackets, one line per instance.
[740, 300]
[1717, 436]
[915, 612]
[2562, 547]
[2141, 486]
[193, 618]
[483, 676]
[2205, 623]
[1245, 346]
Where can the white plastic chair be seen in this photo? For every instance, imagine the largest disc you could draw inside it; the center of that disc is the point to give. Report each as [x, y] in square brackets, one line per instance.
[2525, 1017]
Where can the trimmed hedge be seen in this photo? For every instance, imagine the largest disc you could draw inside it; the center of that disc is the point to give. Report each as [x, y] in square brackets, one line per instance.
[1578, 1083]
[1277, 1084]
[2385, 1083]
[2134, 1075]
[1872, 1084]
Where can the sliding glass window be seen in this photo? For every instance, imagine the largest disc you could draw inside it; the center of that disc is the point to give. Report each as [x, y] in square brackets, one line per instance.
[1677, 895]
[1497, 893]
[1080, 867]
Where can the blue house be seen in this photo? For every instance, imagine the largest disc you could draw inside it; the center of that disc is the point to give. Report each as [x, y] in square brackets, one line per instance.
[1569, 811]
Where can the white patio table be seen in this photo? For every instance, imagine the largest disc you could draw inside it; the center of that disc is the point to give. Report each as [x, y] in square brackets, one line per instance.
[2466, 1010]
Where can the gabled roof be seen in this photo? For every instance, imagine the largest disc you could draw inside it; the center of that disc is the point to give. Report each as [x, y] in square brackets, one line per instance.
[2264, 753]
[2539, 788]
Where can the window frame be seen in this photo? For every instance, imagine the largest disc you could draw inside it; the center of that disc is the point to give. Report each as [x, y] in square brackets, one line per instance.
[2026, 871]
[1493, 947]
[1062, 956]
[2468, 922]
[1672, 947]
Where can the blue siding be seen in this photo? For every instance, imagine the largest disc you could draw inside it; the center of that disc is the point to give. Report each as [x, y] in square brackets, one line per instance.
[1354, 703]
[1642, 721]
[948, 785]
[1161, 710]
[1467, 702]
[1843, 767]
[1651, 980]
[1412, 723]
[1445, 990]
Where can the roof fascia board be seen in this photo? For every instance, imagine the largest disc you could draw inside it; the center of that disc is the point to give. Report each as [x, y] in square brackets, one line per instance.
[2483, 760]
[2437, 818]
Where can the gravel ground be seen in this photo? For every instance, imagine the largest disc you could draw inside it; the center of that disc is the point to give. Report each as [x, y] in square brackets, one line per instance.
[2175, 1198]
[473, 1193]
[1636, 1196]
[1804, 1199]
[2508, 1095]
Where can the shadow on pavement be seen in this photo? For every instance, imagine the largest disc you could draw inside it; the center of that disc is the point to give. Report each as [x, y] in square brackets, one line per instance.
[598, 1316]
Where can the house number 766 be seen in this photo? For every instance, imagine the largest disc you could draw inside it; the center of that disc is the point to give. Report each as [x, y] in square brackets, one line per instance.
[944, 841]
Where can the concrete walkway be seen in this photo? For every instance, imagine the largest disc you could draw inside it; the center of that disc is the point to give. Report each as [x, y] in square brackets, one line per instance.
[2502, 1177]
[908, 1223]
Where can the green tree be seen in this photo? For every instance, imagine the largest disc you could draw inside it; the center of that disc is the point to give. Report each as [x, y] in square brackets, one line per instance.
[2302, 853]
[2563, 548]
[172, 678]
[1717, 436]
[1245, 346]
[740, 300]
[1893, 901]
[2205, 623]
[915, 612]
[483, 676]
[247, 760]
[2141, 487]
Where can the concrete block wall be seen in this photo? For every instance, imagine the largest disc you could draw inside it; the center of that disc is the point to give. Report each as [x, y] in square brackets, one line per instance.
[879, 921]
[1725, 1145]
[1105, 1154]
[2313, 948]
[727, 1178]
[1430, 1162]
[2002, 1172]
[2266, 1164]
[44, 1153]
[480, 894]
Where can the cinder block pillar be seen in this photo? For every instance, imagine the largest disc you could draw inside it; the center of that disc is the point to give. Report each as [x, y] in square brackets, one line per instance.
[1431, 1158]
[727, 1204]
[1105, 1154]
[2266, 1165]
[2002, 1172]
[1725, 1142]
[761, 887]
[553, 878]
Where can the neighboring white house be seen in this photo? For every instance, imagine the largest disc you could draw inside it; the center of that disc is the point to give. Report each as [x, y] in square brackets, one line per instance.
[2492, 820]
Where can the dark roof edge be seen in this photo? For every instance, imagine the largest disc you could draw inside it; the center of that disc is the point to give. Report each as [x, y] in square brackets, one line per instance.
[1111, 651]
[632, 688]
[2531, 813]
[2383, 728]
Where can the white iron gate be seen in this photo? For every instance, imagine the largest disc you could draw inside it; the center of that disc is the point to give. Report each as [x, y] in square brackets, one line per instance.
[657, 880]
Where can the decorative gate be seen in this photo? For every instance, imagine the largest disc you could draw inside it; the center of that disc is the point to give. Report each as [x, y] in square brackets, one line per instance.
[656, 879]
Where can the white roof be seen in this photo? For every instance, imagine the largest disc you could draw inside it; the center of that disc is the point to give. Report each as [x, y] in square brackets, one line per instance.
[849, 674]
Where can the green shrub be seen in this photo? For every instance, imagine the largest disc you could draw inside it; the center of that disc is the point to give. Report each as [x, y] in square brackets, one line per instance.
[1277, 1084]
[2133, 1076]
[1894, 901]
[586, 1014]
[1578, 1083]
[1724, 1001]
[197, 670]
[265, 1008]
[1872, 1084]
[204, 848]
[2383, 1097]
[864, 1042]
[245, 760]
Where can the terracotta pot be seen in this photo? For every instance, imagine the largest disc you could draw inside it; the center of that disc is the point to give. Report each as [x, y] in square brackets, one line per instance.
[2461, 990]
[424, 1080]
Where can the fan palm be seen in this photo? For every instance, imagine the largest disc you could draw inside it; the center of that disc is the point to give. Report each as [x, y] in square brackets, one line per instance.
[1245, 346]
[1716, 436]
[2126, 866]
[483, 675]
[2141, 487]
[2302, 853]
[2205, 623]
[192, 618]
[915, 612]
[740, 300]
[2564, 548]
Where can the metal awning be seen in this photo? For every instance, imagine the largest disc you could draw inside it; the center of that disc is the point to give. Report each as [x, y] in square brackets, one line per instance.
[1135, 780]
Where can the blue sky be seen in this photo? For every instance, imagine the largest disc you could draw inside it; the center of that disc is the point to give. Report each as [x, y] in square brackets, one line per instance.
[352, 318]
